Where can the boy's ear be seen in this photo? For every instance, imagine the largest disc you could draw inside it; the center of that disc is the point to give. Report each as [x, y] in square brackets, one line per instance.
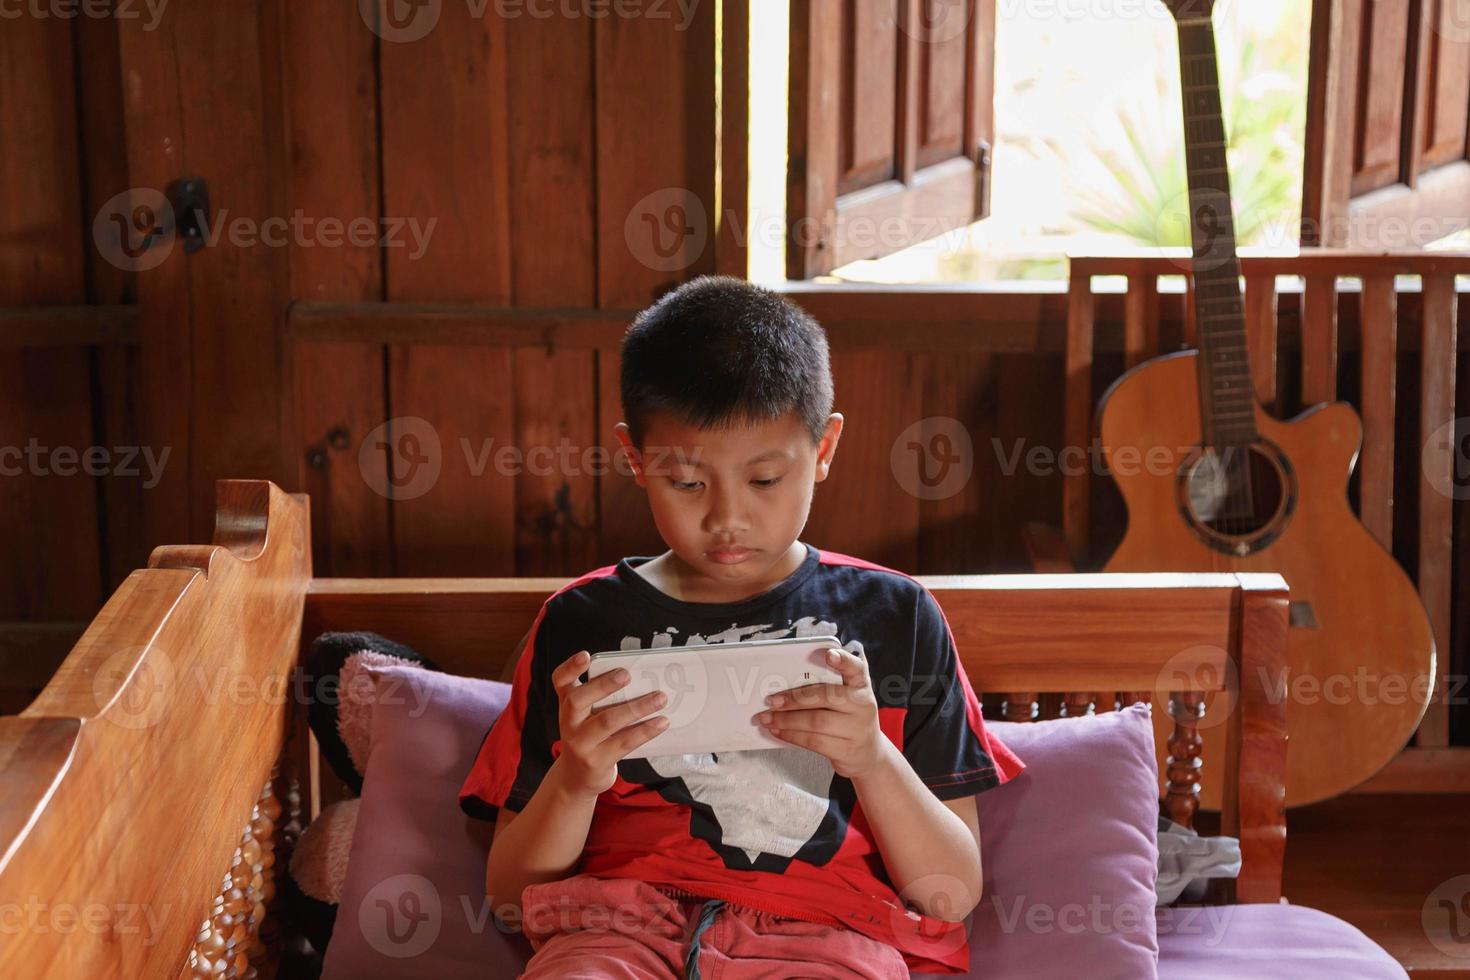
[635, 458]
[827, 448]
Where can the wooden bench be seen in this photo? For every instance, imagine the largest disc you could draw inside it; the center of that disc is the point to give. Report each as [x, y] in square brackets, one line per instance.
[149, 797]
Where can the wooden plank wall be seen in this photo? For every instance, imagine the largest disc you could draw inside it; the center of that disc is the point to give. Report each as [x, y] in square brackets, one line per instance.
[552, 167]
[533, 146]
[65, 532]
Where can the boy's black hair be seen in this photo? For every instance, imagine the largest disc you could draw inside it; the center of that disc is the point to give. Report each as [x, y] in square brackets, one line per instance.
[720, 353]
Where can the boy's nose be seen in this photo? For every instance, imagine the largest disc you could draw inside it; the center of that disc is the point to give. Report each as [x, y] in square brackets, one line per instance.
[726, 517]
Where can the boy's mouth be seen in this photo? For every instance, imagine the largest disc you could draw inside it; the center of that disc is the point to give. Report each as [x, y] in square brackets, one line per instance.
[730, 556]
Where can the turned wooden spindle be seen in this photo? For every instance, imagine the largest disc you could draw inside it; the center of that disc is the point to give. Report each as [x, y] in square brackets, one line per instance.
[1019, 706]
[1182, 796]
[1078, 703]
[234, 940]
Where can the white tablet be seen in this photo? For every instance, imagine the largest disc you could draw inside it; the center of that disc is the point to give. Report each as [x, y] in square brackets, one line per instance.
[715, 690]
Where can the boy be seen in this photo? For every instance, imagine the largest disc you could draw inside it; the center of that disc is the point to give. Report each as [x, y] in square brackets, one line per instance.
[795, 861]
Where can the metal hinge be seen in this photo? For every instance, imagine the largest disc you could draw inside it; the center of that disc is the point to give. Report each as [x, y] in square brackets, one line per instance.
[982, 180]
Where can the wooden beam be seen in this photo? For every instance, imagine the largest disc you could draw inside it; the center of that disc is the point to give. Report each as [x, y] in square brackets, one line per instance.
[1304, 262]
[1013, 320]
[453, 323]
[68, 326]
[471, 624]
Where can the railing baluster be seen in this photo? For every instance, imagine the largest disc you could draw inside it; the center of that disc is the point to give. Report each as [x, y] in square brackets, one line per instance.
[1077, 409]
[1378, 321]
[1019, 706]
[1188, 328]
[1078, 703]
[1141, 319]
[1436, 505]
[1260, 328]
[1319, 340]
[1182, 796]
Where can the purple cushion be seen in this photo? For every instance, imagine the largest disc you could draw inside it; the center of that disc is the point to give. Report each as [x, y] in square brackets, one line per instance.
[1070, 852]
[1067, 844]
[1225, 942]
[413, 904]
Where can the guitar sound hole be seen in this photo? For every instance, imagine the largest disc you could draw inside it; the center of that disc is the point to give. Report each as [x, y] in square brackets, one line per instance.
[1237, 498]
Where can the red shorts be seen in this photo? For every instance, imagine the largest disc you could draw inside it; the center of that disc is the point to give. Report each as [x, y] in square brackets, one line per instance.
[608, 928]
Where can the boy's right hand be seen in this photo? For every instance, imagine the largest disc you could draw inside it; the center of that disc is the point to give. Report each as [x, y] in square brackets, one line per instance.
[593, 742]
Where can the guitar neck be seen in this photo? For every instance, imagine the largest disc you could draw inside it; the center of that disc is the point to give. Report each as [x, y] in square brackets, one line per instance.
[1227, 401]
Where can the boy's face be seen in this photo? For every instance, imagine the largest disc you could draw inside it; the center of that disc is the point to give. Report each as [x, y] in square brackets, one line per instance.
[730, 503]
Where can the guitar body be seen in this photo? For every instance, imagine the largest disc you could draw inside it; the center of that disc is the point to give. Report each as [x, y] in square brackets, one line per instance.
[1360, 651]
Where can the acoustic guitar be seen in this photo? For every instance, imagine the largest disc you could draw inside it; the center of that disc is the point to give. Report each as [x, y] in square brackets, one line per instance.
[1245, 491]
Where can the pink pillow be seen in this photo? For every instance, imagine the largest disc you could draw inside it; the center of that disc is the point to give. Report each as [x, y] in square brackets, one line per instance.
[1070, 851]
[413, 904]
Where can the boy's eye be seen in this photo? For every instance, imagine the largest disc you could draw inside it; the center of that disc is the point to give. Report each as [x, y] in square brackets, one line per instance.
[695, 484]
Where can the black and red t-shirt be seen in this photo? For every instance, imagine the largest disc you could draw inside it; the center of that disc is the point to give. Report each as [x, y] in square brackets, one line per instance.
[773, 829]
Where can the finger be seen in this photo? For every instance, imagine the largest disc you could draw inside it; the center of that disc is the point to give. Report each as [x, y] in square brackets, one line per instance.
[633, 736]
[606, 721]
[854, 669]
[566, 673]
[815, 720]
[834, 696]
[584, 696]
[821, 744]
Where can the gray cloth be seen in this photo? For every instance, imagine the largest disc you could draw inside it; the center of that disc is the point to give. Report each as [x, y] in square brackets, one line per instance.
[1187, 861]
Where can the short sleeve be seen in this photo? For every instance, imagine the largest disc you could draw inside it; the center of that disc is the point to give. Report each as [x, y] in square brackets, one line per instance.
[523, 740]
[944, 734]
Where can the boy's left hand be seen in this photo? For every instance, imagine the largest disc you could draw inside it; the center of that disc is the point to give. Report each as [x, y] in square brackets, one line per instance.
[839, 721]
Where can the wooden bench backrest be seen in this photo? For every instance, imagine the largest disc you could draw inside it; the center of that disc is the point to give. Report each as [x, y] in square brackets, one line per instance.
[136, 784]
[1176, 634]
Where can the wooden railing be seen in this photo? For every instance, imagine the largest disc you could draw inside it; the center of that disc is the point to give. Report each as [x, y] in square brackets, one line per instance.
[1431, 327]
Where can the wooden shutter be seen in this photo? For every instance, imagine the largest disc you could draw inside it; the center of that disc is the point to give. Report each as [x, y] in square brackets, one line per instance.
[1387, 102]
[891, 123]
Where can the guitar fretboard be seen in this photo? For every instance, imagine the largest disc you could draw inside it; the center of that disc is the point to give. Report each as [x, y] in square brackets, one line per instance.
[1227, 400]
